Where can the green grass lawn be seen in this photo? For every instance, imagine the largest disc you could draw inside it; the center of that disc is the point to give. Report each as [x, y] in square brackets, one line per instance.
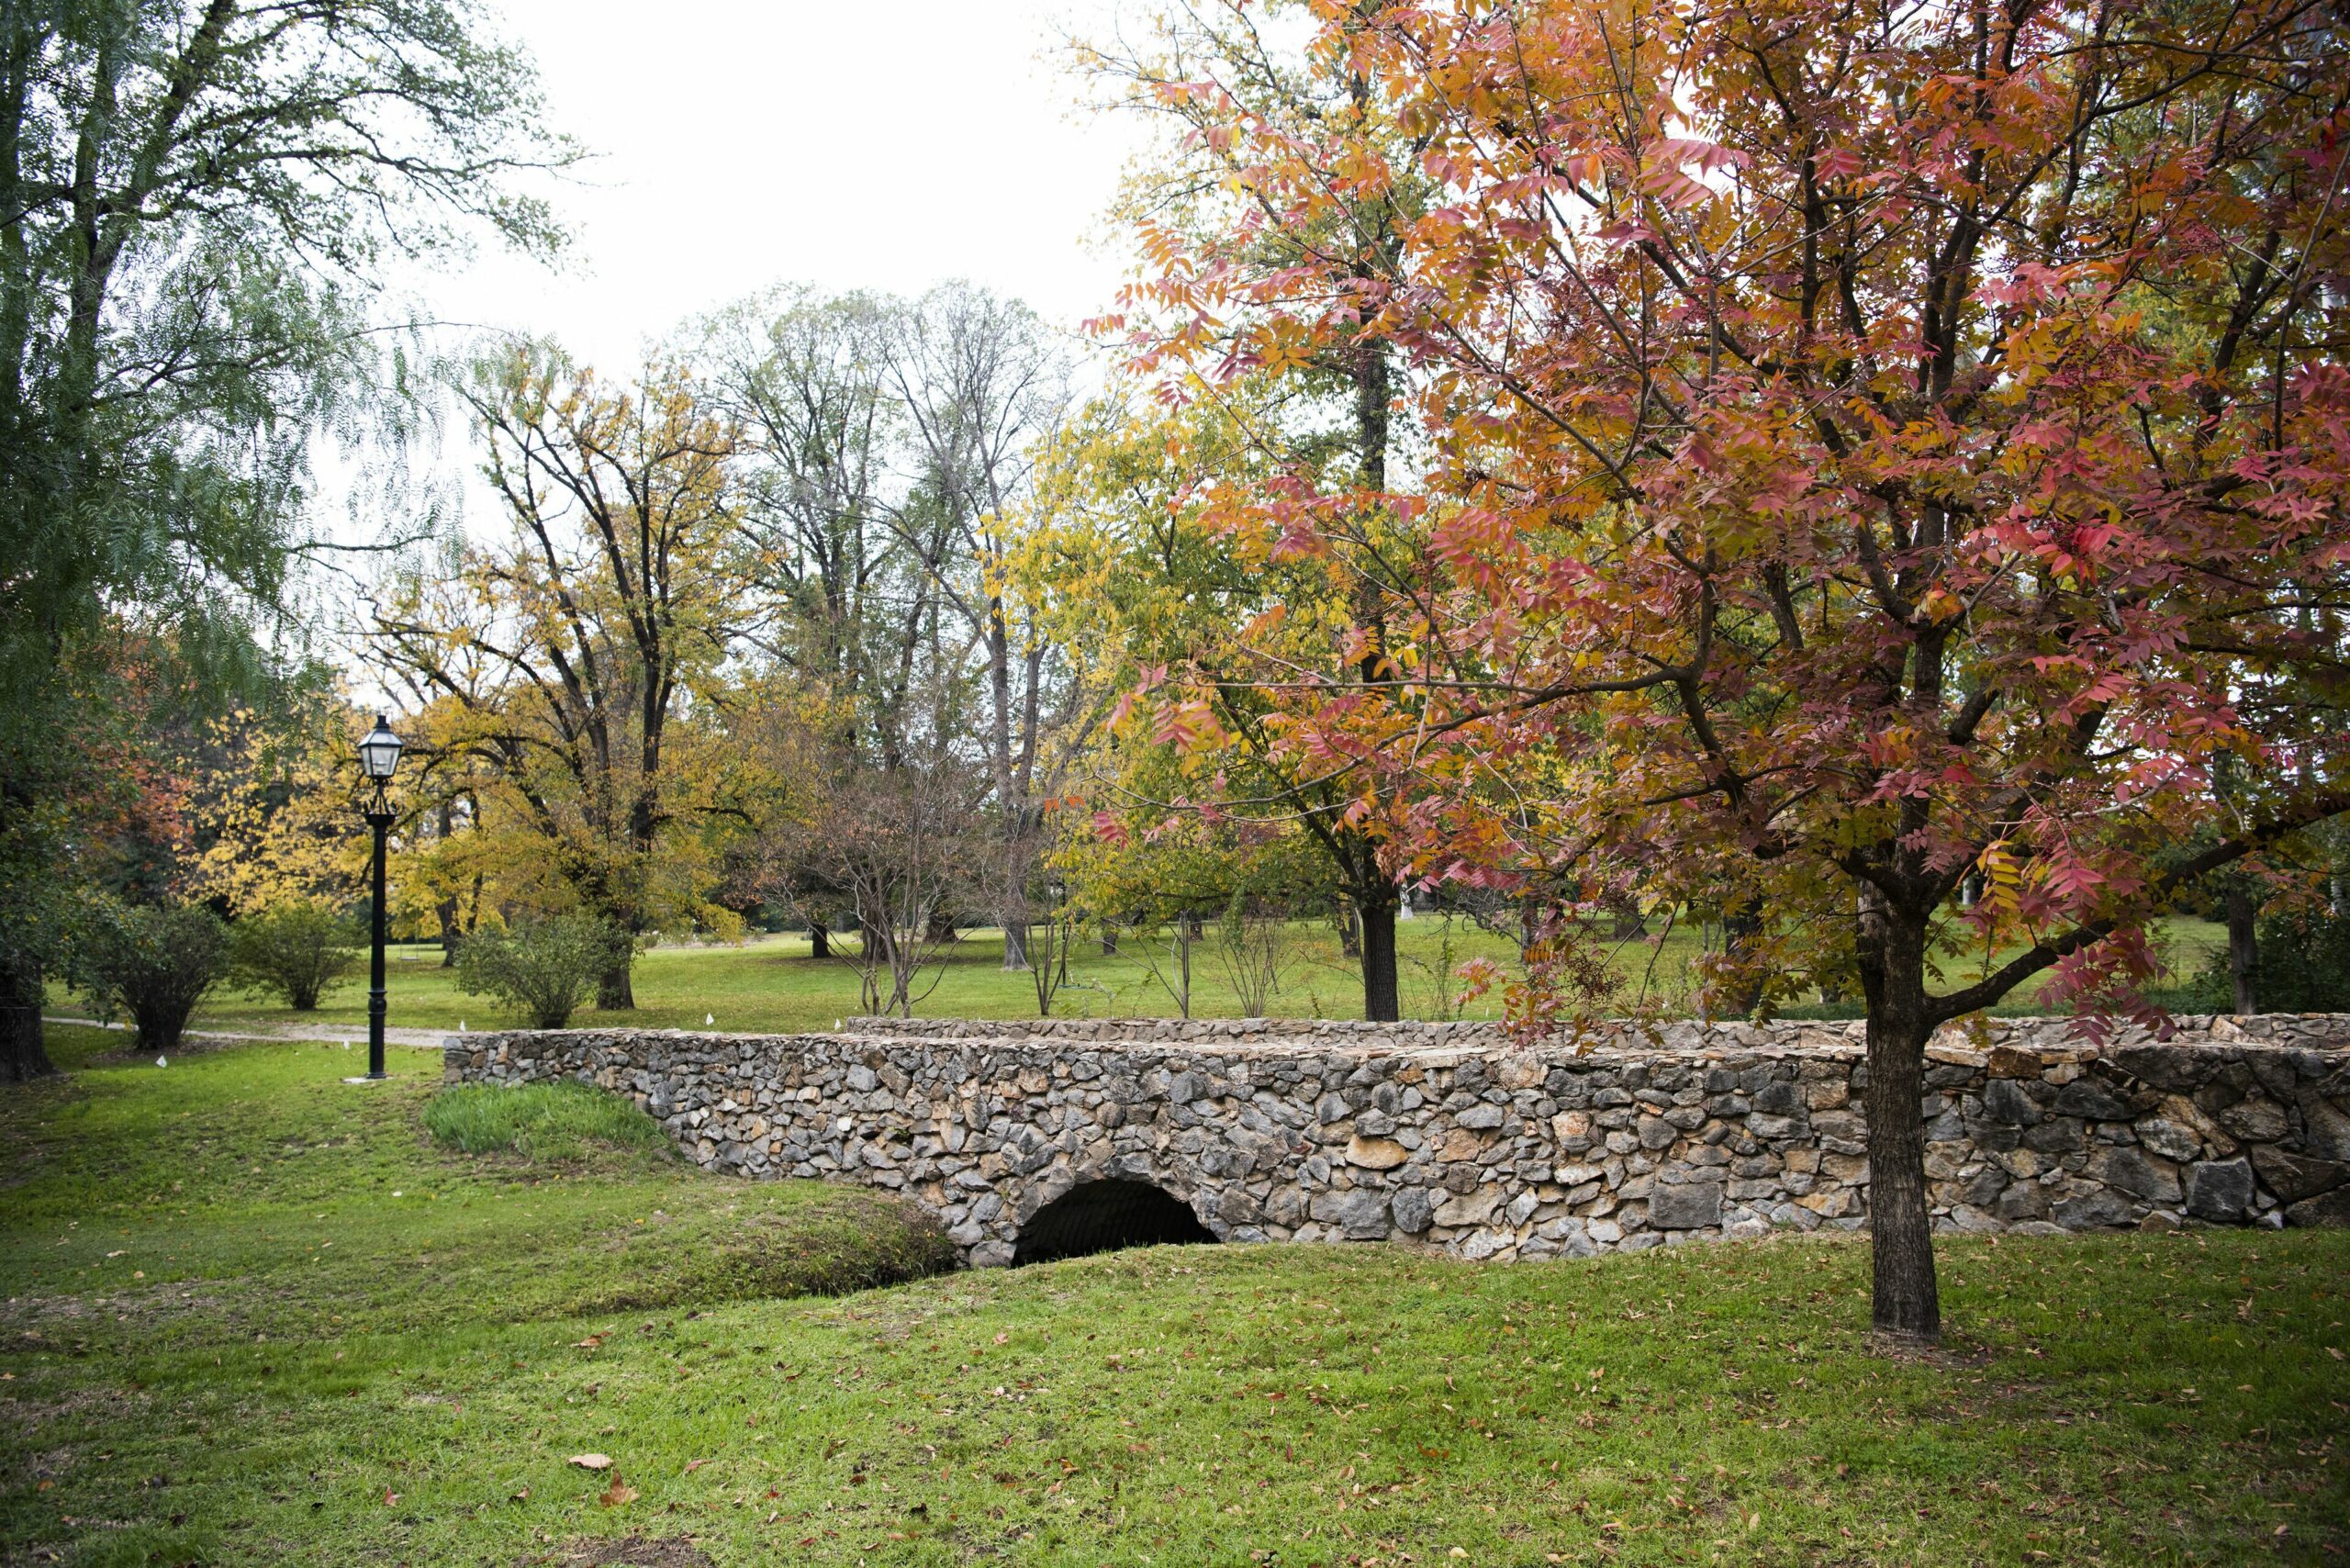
[771, 983]
[255, 1316]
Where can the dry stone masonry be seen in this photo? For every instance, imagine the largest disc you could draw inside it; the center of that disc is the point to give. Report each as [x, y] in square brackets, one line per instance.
[1447, 1136]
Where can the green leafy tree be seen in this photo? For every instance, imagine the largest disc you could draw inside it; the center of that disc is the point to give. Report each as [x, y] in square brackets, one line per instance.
[195, 200]
[542, 969]
[296, 949]
[154, 964]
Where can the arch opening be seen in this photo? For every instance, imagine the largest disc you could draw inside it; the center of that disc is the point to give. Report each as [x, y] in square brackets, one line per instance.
[1103, 1217]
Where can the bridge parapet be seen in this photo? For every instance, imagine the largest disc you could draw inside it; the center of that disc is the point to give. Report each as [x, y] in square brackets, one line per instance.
[1447, 1136]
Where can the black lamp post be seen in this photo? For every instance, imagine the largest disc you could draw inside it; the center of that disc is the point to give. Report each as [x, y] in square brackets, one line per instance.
[379, 755]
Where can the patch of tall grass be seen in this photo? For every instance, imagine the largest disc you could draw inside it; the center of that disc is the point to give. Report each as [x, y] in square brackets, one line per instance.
[558, 1123]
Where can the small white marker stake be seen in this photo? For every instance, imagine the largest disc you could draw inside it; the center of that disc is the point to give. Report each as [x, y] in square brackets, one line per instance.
[159, 1061]
[461, 1026]
[708, 1019]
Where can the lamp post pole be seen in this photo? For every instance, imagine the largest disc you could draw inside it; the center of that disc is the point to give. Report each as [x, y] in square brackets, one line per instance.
[379, 758]
[380, 820]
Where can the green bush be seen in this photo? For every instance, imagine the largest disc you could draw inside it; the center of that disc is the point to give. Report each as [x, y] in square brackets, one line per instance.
[542, 969]
[565, 1123]
[296, 949]
[154, 964]
[2304, 966]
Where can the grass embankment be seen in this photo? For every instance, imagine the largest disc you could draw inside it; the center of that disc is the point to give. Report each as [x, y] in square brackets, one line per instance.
[772, 984]
[256, 1315]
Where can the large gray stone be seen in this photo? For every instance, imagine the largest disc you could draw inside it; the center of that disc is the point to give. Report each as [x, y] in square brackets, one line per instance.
[2088, 1098]
[2220, 1190]
[2169, 1139]
[1413, 1210]
[1692, 1205]
[2293, 1177]
[2131, 1171]
[1361, 1212]
[2095, 1210]
[1468, 1208]
[2005, 1101]
[2325, 1130]
[2331, 1209]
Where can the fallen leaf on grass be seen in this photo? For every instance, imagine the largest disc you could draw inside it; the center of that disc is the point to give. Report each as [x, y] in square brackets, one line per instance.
[390, 1498]
[694, 1464]
[589, 1343]
[522, 1495]
[618, 1492]
[590, 1461]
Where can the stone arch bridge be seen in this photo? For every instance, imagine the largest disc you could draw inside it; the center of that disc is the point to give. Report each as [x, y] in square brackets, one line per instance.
[1043, 1139]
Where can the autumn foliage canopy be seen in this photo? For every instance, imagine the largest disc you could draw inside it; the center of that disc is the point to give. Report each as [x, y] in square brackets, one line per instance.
[1878, 469]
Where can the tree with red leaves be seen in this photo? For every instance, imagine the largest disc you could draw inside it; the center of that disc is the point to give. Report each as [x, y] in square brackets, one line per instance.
[1882, 469]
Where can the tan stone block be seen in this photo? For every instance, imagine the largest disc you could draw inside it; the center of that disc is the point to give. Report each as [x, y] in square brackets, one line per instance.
[1376, 1153]
[1519, 1071]
[1460, 1144]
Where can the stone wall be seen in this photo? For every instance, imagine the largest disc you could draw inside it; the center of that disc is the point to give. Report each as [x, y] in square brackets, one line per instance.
[1443, 1135]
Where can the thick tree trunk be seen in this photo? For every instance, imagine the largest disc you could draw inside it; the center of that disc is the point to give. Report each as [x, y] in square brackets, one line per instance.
[1381, 1002]
[2244, 945]
[1892, 950]
[1630, 920]
[1741, 927]
[23, 1055]
[1015, 940]
[615, 993]
[445, 910]
[1109, 937]
[820, 940]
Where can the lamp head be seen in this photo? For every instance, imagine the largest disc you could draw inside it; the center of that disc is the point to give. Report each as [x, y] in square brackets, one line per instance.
[380, 754]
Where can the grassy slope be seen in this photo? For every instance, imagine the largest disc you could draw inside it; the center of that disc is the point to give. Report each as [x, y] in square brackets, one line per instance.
[409, 1391]
[772, 984]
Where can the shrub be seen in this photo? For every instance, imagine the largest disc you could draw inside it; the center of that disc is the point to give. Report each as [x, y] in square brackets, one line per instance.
[562, 1121]
[542, 969]
[2302, 965]
[297, 949]
[154, 964]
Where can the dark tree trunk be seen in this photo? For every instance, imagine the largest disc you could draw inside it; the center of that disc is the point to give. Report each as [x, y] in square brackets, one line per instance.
[615, 989]
[940, 928]
[1381, 1002]
[2244, 945]
[446, 909]
[1892, 952]
[1015, 946]
[820, 940]
[23, 1055]
[1629, 921]
[1109, 937]
[1349, 932]
[1741, 926]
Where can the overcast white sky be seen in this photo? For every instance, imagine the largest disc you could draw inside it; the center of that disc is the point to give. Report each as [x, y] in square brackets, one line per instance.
[889, 144]
[738, 144]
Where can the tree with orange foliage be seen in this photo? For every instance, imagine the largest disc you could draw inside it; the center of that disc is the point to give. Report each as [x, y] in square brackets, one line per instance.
[1872, 453]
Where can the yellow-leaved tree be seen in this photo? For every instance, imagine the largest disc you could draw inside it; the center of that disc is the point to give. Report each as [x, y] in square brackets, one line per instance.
[565, 669]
